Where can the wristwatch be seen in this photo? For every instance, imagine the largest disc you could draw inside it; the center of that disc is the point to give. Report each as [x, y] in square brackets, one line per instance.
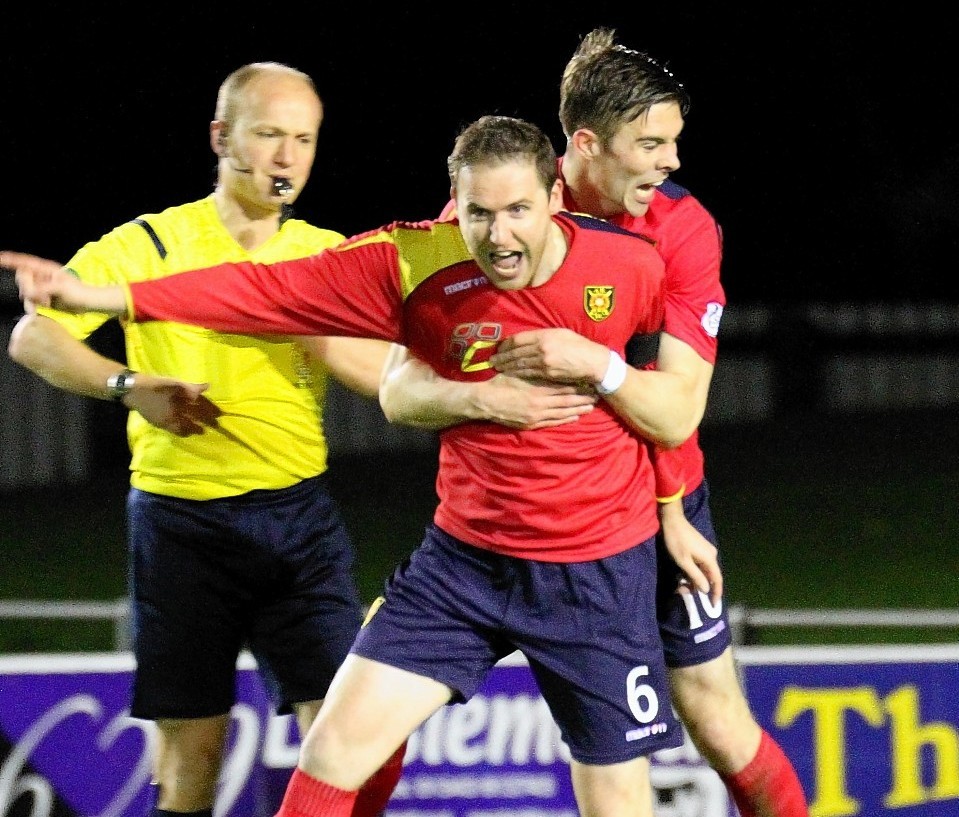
[119, 385]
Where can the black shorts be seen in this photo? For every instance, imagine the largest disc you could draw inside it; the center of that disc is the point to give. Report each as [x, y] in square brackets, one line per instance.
[587, 629]
[270, 571]
[693, 629]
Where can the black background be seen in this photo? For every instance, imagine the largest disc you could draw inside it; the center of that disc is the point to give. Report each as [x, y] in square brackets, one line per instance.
[822, 137]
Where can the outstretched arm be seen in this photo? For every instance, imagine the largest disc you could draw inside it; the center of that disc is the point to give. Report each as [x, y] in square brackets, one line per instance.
[302, 296]
[412, 393]
[43, 282]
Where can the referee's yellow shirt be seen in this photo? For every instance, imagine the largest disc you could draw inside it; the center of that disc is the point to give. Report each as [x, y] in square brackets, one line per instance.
[271, 393]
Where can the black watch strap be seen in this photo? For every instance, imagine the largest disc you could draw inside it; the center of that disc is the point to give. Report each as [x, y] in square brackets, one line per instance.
[119, 385]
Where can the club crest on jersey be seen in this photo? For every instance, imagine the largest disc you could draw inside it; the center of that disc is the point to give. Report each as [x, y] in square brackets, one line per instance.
[598, 302]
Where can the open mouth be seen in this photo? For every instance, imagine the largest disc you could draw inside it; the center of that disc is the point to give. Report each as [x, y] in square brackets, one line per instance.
[282, 186]
[505, 261]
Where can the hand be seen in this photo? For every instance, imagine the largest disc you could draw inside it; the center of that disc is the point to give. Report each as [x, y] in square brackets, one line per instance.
[173, 405]
[43, 282]
[555, 355]
[31, 273]
[518, 403]
[695, 555]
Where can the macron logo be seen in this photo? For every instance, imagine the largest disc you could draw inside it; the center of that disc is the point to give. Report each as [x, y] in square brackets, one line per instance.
[469, 283]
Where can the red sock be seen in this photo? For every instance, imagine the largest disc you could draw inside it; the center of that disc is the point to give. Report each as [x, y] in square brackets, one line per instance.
[376, 791]
[308, 797]
[768, 786]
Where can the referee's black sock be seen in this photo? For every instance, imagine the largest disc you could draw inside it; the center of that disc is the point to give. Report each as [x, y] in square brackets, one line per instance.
[159, 812]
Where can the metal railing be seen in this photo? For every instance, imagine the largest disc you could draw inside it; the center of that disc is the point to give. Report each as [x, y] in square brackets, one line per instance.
[745, 622]
[117, 611]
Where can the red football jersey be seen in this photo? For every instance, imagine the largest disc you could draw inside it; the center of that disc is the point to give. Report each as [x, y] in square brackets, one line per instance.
[575, 492]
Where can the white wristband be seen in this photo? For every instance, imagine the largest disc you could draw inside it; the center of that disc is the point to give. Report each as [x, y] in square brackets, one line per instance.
[615, 374]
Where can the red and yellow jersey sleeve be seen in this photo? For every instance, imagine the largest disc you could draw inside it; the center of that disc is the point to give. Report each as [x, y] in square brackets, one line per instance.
[670, 474]
[356, 289]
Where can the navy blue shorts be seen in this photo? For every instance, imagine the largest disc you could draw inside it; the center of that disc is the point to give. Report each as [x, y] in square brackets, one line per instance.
[270, 571]
[693, 629]
[587, 629]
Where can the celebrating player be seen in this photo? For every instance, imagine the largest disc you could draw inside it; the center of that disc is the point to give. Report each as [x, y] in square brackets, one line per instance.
[622, 113]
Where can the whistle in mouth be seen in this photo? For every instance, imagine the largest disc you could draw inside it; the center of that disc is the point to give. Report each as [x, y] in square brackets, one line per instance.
[282, 187]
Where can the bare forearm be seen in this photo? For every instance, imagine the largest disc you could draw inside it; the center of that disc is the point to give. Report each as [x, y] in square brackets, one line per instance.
[667, 404]
[659, 406]
[357, 363]
[412, 394]
[47, 349]
[696, 556]
[72, 295]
